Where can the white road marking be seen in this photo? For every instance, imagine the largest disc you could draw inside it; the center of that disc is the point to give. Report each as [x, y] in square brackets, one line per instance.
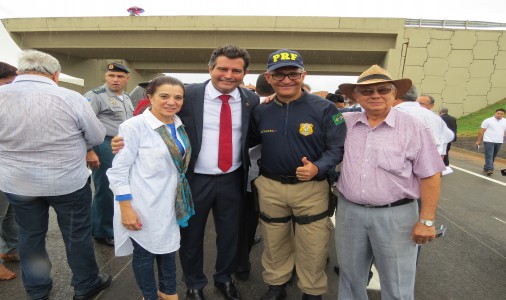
[374, 284]
[479, 175]
[500, 220]
[442, 213]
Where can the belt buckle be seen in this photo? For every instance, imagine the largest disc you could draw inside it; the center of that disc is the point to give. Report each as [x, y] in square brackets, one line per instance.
[287, 179]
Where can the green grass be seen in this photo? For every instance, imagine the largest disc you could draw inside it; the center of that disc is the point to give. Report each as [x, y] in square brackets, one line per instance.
[469, 126]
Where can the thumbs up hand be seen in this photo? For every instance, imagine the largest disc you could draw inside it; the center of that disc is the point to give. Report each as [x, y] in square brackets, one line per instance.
[307, 171]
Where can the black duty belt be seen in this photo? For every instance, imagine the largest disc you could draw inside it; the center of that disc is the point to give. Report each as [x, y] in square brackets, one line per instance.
[393, 204]
[284, 179]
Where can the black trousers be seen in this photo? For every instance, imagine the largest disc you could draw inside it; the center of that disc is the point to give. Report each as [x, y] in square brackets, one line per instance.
[223, 194]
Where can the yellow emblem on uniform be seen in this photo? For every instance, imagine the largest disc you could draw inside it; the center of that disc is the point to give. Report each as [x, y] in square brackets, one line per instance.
[306, 129]
[111, 66]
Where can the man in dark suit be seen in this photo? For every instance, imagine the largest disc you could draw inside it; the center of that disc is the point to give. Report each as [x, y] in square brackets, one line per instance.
[216, 116]
[451, 122]
[213, 186]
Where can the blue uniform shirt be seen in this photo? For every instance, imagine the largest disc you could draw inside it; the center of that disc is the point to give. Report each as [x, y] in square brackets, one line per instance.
[309, 127]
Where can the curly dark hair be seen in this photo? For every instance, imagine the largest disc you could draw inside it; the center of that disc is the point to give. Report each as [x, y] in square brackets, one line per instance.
[230, 51]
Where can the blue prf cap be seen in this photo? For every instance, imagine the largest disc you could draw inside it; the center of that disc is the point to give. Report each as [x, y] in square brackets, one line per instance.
[284, 58]
[116, 67]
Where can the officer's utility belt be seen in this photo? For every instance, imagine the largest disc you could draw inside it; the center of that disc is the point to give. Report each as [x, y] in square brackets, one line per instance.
[284, 179]
[393, 204]
[297, 219]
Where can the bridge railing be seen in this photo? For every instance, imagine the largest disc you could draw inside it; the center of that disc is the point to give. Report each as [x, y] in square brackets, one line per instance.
[455, 24]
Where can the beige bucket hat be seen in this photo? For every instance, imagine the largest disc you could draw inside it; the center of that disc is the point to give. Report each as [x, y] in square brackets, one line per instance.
[376, 74]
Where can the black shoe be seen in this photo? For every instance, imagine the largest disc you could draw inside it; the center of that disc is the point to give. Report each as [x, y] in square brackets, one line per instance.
[194, 294]
[310, 297]
[275, 292]
[228, 290]
[109, 241]
[104, 280]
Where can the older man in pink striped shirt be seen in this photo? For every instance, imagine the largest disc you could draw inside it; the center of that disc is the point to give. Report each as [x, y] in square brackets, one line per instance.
[390, 159]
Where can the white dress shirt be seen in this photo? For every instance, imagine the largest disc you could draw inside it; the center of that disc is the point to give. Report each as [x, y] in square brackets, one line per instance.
[207, 163]
[44, 133]
[494, 132]
[442, 134]
[144, 169]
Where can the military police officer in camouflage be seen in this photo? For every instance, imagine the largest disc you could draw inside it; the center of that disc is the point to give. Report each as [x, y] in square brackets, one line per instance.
[112, 106]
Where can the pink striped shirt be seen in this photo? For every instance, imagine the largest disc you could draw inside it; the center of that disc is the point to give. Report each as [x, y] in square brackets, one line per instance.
[383, 164]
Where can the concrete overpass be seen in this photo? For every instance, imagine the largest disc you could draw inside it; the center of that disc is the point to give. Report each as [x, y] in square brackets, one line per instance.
[463, 69]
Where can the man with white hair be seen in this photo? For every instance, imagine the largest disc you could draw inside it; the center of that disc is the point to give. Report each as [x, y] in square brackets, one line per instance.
[44, 133]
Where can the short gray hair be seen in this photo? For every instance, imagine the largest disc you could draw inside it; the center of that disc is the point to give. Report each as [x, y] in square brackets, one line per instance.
[36, 61]
[443, 110]
[411, 95]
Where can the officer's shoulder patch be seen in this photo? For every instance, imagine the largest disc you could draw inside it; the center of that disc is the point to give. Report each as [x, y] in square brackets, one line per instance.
[99, 90]
[338, 118]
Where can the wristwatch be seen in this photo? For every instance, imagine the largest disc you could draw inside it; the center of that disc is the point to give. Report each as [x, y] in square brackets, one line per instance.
[428, 223]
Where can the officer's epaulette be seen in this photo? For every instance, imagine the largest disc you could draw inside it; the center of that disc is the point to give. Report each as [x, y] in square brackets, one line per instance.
[99, 90]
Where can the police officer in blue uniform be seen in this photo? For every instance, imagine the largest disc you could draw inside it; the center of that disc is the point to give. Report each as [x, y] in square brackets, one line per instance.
[302, 137]
[112, 106]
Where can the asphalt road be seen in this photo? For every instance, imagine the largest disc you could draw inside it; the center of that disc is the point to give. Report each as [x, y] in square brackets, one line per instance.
[469, 262]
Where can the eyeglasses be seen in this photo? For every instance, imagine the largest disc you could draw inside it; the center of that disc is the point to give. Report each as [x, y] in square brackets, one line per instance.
[281, 76]
[382, 90]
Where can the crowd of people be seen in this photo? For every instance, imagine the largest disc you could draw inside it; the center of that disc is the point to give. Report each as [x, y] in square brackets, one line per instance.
[266, 154]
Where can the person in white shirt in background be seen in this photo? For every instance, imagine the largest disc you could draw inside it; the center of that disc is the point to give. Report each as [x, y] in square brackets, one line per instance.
[442, 134]
[151, 190]
[492, 132]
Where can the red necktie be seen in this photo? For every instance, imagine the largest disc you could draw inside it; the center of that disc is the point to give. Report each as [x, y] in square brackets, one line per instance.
[225, 147]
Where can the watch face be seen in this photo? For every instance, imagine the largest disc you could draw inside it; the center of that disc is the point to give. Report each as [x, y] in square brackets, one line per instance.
[428, 223]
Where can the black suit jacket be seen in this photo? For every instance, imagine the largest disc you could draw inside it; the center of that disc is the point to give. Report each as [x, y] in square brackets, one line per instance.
[192, 115]
[451, 122]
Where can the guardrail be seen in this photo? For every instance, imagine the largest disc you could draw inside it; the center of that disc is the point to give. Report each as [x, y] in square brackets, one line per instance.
[455, 24]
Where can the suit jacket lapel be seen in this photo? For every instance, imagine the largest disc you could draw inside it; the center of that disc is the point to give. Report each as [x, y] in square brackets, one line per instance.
[245, 115]
[198, 110]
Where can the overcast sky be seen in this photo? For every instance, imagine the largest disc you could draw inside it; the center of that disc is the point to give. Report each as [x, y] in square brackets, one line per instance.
[472, 10]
